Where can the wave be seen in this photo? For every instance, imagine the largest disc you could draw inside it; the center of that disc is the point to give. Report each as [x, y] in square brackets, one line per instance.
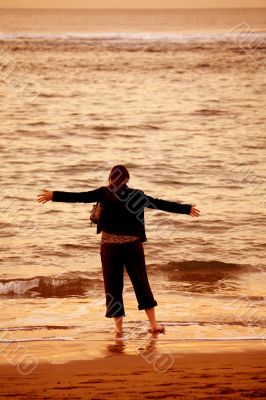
[78, 283]
[103, 128]
[235, 36]
[222, 323]
[63, 285]
[205, 112]
[209, 267]
[109, 128]
[37, 327]
[53, 95]
[38, 123]
[216, 278]
[54, 339]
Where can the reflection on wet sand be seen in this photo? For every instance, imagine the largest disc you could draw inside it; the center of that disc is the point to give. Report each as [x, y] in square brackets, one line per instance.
[146, 347]
[122, 341]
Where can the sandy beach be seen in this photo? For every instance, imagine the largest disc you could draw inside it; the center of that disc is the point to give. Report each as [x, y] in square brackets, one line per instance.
[212, 374]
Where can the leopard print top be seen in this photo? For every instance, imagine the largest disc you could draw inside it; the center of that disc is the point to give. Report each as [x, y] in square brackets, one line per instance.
[114, 238]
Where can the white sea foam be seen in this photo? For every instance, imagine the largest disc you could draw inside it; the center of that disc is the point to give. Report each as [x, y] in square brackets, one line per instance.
[19, 287]
[132, 338]
[137, 36]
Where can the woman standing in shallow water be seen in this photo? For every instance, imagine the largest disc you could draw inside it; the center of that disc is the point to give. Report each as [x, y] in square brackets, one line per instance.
[123, 232]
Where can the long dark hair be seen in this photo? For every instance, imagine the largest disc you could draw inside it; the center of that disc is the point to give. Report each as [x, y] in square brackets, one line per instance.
[118, 177]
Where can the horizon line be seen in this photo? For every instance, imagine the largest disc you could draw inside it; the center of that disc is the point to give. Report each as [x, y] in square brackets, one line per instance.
[132, 8]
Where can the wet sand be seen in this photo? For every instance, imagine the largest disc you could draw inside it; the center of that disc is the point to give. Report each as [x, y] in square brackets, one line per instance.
[187, 375]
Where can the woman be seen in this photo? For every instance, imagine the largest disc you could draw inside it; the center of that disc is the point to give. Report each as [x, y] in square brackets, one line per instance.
[123, 232]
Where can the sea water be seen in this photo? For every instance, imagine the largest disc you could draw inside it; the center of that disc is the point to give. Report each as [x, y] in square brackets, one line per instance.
[179, 98]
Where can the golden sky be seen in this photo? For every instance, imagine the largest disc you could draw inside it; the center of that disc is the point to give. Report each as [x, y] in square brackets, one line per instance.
[130, 3]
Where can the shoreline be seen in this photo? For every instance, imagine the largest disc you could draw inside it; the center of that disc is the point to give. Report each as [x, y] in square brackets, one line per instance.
[64, 350]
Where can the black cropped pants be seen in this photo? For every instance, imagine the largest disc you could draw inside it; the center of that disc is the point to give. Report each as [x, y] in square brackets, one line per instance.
[114, 258]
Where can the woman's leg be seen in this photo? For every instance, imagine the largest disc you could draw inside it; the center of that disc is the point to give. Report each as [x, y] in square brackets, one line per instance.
[136, 269]
[155, 327]
[118, 325]
[113, 270]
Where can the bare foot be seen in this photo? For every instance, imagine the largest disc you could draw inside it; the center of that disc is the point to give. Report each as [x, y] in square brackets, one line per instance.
[157, 329]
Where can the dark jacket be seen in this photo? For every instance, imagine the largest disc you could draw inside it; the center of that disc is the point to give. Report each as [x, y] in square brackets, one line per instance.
[123, 211]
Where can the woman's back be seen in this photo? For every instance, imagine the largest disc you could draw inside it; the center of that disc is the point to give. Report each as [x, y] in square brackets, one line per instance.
[123, 212]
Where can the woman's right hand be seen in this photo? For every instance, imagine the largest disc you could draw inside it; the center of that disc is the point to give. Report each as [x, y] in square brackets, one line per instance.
[194, 211]
[45, 196]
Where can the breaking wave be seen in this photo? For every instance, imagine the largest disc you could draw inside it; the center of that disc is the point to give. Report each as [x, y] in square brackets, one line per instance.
[63, 285]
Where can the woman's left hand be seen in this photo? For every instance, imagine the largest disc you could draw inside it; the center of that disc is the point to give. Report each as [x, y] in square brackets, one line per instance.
[194, 211]
[45, 196]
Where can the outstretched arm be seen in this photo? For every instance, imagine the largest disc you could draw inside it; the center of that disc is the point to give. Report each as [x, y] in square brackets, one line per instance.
[71, 197]
[172, 206]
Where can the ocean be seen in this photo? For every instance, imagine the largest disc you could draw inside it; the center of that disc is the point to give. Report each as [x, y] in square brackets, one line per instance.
[177, 96]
